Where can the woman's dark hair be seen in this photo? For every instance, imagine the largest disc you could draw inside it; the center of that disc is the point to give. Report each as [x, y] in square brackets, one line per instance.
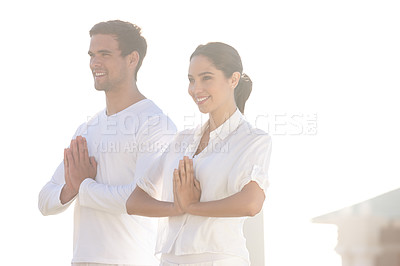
[227, 59]
[128, 35]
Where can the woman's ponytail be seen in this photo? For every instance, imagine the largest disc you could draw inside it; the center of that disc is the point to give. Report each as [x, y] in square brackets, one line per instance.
[242, 91]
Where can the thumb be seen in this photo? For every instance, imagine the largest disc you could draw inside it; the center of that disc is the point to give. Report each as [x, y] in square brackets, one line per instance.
[93, 162]
[197, 184]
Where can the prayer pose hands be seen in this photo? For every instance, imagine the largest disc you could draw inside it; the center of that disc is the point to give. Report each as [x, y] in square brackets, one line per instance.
[77, 164]
[187, 189]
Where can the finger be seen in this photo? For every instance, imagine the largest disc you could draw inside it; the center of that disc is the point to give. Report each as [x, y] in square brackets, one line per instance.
[65, 158]
[189, 171]
[93, 162]
[73, 150]
[176, 186]
[177, 181]
[70, 158]
[182, 172]
[197, 184]
[82, 149]
[66, 172]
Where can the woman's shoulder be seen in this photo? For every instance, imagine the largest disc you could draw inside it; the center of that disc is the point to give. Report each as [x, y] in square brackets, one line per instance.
[252, 132]
[252, 141]
[184, 135]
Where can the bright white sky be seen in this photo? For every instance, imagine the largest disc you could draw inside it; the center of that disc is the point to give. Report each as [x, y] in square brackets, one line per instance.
[333, 62]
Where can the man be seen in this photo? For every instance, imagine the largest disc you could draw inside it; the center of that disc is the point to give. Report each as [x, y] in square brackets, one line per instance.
[123, 139]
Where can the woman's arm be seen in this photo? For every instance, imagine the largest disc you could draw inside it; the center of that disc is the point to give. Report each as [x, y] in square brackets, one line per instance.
[247, 202]
[141, 203]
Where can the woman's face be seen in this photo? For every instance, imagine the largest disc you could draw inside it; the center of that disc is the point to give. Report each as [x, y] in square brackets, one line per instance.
[209, 88]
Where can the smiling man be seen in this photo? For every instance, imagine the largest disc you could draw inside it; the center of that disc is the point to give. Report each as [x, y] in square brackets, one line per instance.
[122, 141]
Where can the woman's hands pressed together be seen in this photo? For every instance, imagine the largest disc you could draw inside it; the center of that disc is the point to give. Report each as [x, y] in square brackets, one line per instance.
[187, 189]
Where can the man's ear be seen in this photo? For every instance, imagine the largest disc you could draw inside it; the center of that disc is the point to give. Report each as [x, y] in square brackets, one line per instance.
[133, 59]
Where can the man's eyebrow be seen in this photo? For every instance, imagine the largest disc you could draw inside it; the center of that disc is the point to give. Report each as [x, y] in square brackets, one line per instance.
[101, 52]
[104, 51]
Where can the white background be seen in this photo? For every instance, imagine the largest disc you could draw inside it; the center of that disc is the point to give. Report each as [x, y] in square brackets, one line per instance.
[335, 63]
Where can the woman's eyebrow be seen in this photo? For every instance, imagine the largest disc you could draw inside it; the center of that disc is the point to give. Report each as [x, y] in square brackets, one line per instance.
[206, 73]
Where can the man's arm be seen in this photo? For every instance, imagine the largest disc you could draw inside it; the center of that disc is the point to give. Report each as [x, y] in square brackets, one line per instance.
[58, 194]
[113, 198]
[49, 196]
[107, 198]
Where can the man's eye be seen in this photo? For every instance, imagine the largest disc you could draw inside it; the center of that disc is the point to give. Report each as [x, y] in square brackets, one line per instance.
[207, 77]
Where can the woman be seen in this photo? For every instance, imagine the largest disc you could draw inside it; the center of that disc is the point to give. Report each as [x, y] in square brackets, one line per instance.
[226, 156]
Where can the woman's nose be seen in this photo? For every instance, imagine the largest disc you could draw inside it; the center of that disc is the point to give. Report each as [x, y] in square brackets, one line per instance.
[196, 87]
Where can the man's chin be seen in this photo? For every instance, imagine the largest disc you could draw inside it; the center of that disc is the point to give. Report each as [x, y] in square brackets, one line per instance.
[100, 88]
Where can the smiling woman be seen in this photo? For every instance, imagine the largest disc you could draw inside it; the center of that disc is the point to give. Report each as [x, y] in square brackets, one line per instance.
[211, 190]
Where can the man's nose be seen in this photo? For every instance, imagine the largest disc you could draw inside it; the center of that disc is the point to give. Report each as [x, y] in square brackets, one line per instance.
[95, 62]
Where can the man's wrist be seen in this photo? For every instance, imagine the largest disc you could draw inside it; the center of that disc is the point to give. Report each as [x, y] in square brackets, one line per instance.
[67, 194]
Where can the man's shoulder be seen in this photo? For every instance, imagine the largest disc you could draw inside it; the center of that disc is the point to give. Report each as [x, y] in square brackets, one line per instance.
[145, 106]
[151, 116]
[144, 110]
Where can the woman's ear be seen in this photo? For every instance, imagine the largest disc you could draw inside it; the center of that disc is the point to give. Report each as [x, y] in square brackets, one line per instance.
[235, 79]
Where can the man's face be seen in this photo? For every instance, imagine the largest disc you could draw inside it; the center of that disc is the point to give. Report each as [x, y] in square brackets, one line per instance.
[109, 68]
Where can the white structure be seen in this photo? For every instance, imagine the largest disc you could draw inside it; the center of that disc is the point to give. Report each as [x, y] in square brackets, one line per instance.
[254, 233]
[368, 232]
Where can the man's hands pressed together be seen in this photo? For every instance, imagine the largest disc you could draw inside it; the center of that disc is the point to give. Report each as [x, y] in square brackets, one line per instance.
[77, 167]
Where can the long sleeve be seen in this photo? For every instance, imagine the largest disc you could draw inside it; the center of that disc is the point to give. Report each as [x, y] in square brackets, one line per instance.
[49, 196]
[152, 139]
[104, 197]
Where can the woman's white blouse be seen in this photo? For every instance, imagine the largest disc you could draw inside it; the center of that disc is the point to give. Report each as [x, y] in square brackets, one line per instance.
[237, 153]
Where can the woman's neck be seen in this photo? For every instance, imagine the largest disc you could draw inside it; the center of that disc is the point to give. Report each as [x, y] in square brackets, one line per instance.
[216, 119]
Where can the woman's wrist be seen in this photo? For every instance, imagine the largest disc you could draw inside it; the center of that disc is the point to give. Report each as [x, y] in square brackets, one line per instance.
[176, 209]
[191, 208]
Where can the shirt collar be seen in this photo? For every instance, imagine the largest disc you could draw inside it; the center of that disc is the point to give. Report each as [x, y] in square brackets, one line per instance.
[230, 125]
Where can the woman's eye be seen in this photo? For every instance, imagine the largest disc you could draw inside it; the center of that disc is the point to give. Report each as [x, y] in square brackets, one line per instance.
[191, 80]
[206, 77]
